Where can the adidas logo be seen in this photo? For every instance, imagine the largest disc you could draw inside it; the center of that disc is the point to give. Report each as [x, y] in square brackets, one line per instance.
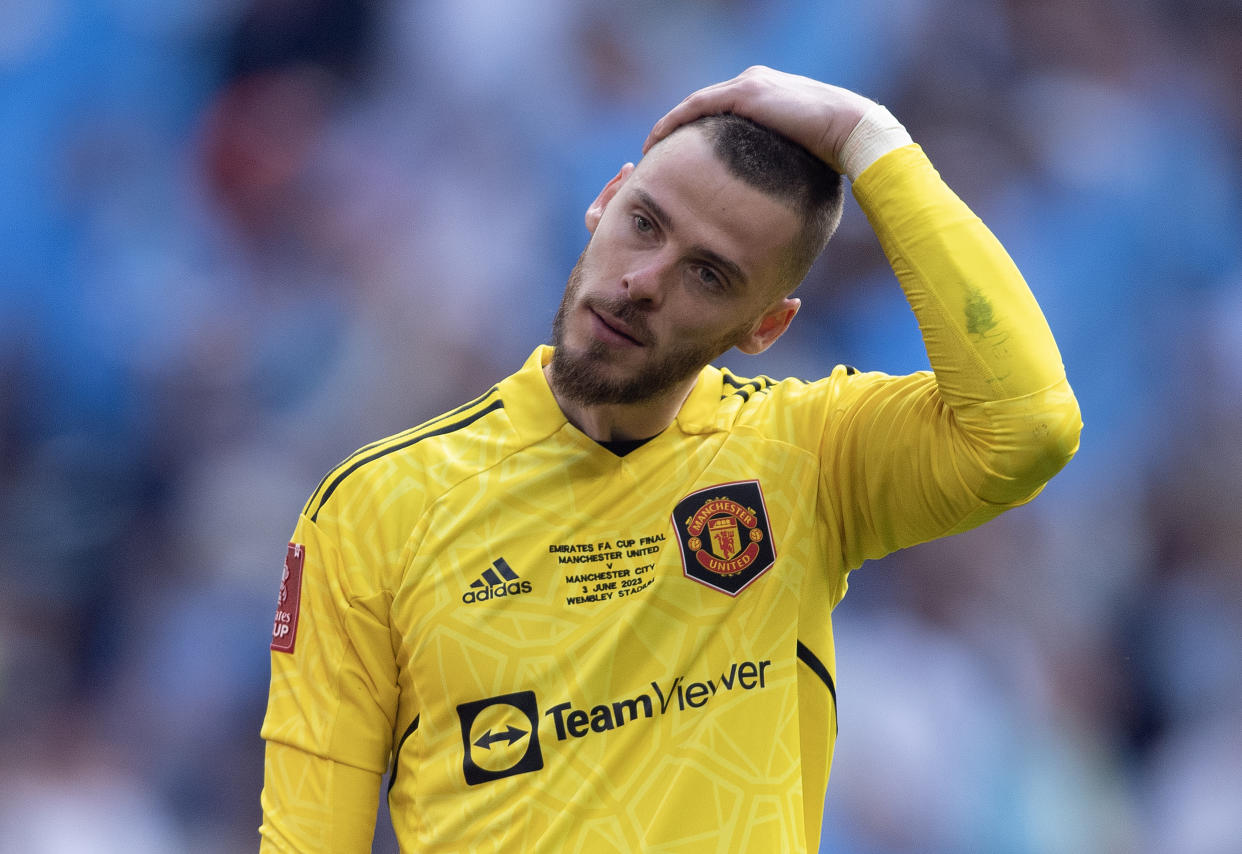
[496, 581]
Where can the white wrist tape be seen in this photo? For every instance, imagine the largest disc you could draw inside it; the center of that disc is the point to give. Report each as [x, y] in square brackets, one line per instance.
[877, 133]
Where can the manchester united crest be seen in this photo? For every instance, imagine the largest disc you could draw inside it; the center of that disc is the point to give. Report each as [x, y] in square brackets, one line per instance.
[724, 535]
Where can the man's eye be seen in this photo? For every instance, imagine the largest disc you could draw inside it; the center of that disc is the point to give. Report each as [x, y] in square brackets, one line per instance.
[642, 225]
[708, 277]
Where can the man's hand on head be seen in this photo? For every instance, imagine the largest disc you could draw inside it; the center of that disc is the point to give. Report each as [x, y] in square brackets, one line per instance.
[816, 115]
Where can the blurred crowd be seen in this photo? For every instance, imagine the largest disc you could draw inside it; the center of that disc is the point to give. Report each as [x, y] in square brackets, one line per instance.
[240, 239]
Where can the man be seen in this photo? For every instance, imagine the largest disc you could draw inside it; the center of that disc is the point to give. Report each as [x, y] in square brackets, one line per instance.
[590, 610]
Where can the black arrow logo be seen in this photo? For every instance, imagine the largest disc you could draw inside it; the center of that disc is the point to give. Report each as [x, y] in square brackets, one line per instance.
[487, 739]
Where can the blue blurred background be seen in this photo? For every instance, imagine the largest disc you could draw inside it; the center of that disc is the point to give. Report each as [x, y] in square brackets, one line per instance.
[239, 239]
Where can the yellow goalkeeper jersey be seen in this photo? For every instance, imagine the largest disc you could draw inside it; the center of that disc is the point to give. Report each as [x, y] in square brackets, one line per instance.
[553, 648]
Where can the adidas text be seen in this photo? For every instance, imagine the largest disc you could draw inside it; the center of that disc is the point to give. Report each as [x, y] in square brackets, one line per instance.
[513, 588]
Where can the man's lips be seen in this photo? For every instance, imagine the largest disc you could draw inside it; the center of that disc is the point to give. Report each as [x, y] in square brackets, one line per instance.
[613, 328]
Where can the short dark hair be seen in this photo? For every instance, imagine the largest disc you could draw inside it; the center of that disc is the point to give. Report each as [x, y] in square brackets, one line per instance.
[774, 164]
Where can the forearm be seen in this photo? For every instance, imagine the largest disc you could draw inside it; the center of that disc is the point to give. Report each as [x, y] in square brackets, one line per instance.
[986, 336]
[996, 364]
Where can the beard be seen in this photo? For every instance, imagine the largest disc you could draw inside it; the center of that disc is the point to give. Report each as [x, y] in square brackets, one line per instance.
[584, 376]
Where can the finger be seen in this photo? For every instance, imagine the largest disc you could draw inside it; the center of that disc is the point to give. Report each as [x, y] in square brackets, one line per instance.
[718, 98]
[688, 110]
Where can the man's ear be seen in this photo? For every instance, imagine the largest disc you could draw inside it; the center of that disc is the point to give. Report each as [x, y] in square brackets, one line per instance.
[771, 325]
[596, 211]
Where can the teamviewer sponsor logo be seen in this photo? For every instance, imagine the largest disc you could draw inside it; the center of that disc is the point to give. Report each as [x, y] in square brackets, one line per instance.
[500, 736]
[497, 581]
[677, 695]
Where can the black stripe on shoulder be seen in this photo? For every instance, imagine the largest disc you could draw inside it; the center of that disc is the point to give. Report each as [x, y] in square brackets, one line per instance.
[850, 370]
[444, 417]
[742, 387]
[389, 440]
[817, 667]
[360, 461]
[392, 778]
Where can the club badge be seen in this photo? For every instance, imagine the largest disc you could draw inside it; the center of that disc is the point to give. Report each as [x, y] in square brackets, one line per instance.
[724, 536]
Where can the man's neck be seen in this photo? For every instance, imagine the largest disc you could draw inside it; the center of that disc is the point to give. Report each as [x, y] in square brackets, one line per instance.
[611, 422]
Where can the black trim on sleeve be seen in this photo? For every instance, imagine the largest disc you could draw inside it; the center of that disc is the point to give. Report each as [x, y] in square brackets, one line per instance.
[392, 778]
[817, 667]
[447, 428]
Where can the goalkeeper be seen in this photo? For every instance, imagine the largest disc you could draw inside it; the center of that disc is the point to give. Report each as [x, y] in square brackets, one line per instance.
[591, 610]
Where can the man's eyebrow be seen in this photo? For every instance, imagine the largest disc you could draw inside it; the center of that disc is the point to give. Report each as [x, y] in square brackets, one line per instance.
[730, 268]
[658, 213]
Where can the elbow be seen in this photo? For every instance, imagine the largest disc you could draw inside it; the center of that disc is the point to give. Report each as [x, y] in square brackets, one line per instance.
[1071, 431]
[1034, 443]
[1055, 445]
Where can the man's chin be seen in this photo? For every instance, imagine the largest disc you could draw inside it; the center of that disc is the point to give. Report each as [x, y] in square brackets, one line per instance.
[586, 376]
[591, 378]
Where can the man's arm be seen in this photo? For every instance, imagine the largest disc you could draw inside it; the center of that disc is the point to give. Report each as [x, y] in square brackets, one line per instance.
[332, 700]
[917, 457]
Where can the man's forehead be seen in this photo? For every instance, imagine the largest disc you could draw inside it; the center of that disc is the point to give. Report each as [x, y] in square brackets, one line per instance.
[687, 140]
[682, 160]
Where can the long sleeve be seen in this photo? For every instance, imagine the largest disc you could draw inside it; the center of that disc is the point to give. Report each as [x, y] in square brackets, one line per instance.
[994, 357]
[911, 458]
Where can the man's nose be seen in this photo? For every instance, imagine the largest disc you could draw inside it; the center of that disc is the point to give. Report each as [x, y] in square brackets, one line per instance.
[648, 281]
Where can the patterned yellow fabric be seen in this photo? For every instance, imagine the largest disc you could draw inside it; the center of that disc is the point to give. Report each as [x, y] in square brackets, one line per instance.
[558, 649]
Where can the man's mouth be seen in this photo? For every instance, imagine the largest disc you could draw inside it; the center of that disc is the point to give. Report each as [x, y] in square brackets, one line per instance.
[611, 327]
